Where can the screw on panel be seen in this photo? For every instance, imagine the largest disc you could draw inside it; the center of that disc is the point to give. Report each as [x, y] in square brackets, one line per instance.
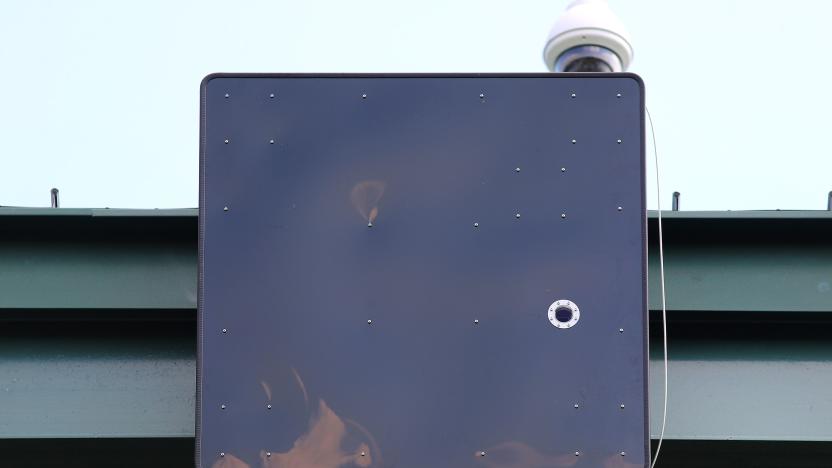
[271, 142]
[268, 454]
[363, 454]
[222, 454]
[620, 208]
[563, 169]
[577, 406]
[574, 141]
[517, 215]
[573, 94]
[476, 224]
[369, 225]
[226, 141]
[476, 321]
[222, 406]
[619, 141]
[225, 208]
[577, 454]
[225, 330]
[516, 169]
[364, 96]
[618, 95]
[622, 406]
[620, 330]
[268, 406]
[369, 321]
[563, 215]
[482, 96]
[227, 95]
[482, 454]
[623, 454]
[271, 95]
[676, 195]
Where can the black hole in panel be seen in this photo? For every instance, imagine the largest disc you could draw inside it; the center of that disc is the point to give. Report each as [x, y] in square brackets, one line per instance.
[563, 314]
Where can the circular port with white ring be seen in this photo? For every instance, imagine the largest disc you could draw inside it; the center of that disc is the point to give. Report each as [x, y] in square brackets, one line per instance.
[564, 314]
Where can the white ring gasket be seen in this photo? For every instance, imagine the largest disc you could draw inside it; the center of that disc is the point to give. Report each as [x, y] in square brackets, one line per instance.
[563, 303]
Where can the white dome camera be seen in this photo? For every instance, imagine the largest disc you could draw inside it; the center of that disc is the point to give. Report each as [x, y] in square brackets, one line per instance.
[588, 37]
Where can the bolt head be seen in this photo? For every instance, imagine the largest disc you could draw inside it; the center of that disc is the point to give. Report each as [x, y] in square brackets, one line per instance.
[222, 454]
[622, 406]
[369, 321]
[563, 169]
[222, 406]
[364, 96]
[476, 224]
[516, 169]
[271, 142]
[620, 330]
[482, 95]
[482, 454]
[268, 454]
[363, 454]
[623, 454]
[574, 141]
[268, 406]
[577, 454]
[226, 141]
[618, 141]
[620, 208]
[476, 321]
[271, 95]
[225, 330]
[577, 406]
[573, 94]
[517, 215]
[563, 215]
[618, 95]
[225, 208]
[227, 95]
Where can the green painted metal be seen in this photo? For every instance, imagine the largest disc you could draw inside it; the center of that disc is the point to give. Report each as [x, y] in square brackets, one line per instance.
[752, 277]
[97, 259]
[744, 390]
[119, 269]
[117, 379]
[97, 337]
[97, 379]
[97, 275]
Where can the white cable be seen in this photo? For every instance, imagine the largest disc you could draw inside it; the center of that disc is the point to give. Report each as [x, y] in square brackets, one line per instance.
[661, 275]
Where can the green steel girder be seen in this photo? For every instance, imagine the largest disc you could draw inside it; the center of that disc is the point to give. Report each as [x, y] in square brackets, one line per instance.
[146, 259]
[97, 379]
[137, 379]
[97, 337]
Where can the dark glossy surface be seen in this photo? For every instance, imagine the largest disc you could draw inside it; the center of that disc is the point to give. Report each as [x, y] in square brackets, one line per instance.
[422, 341]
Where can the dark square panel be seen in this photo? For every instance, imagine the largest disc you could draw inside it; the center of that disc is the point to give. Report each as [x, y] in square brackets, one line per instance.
[380, 256]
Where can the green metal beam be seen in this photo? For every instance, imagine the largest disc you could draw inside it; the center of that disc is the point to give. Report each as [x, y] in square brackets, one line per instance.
[735, 281]
[137, 379]
[146, 259]
[742, 389]
[97, 379]
[744, 277]
[97, 259]
[97, 275]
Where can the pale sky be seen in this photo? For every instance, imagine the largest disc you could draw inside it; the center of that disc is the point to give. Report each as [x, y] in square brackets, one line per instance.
[101, 98]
